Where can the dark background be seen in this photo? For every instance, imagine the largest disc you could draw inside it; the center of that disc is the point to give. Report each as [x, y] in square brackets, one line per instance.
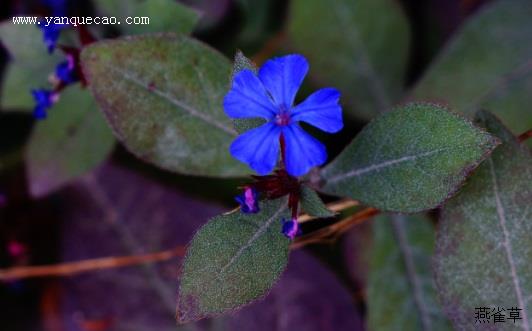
[39, 225]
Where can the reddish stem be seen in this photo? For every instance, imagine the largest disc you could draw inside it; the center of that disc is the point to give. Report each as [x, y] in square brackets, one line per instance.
[283, 150]
[85, 36]
[525, 135]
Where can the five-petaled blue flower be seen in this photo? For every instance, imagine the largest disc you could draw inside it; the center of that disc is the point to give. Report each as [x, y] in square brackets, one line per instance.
[50, 34]
[270, 95]
[44, 99]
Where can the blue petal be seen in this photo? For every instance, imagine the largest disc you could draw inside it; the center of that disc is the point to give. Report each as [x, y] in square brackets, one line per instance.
[302, 151]
[259, 148]
[283, 76]
[321, 109]
[248, 98]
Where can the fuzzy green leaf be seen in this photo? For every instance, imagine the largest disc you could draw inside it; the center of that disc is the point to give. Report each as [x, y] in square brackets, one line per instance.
[408, 160]
[164, 15]
[400, 272]
[312, 204]
[484, 245]
[233, 260]
[163, 94]
[30, 64]
[487, 65]
[71, 141]
[360, 47]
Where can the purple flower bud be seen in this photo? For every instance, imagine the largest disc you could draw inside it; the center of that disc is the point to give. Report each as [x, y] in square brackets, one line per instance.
[65, 71]
[290, 228]
[44, 99]
[248, 201]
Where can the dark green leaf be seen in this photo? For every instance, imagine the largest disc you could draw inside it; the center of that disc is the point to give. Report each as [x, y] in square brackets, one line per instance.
[358, 46]
[487, 65]
[312, 204]
[163, 15]
[71, 141]
[408, 160]
[163, 94]
[484, 245]
[400, 273]
[233, 260]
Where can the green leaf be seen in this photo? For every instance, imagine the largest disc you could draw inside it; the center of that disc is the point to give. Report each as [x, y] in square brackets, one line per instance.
[233, 260]
[70, 142]
[360, 47]
[312, 204]
[163, 15]
[483, 245]
[408, 160]
[30, 64]
[487, 65]
[163, 95]
[400, 273]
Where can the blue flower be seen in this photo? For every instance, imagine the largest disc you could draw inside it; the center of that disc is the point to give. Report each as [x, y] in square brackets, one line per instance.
[248, 201]
[50, 34]
[270, 95]
[290, 228]
[44, 99]
[65, 71]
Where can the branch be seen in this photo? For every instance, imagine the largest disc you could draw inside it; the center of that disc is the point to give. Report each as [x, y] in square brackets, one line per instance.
[525, 135]
[73, 268]
[333, 231]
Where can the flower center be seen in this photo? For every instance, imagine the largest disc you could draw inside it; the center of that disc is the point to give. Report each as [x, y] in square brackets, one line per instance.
[283, 117]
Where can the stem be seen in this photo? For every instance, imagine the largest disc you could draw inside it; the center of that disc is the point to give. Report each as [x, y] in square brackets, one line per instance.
[524, 136]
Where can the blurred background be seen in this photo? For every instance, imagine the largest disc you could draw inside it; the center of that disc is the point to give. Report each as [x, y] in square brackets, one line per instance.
[123, 207]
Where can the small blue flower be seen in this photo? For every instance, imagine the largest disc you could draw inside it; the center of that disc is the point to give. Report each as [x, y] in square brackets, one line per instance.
[65, 71]
[290, 228]
[270, 95]
[50, 34]
[248, 201]
[44, 99]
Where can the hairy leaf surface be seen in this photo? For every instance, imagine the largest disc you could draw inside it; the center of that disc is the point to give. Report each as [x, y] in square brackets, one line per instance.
[233, 260]
[484, 245]
[162, 94]
[408, 160]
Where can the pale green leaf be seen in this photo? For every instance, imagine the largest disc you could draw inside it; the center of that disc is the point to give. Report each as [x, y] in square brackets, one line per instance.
[487, 65]
[401, 294]
[358, 46]
[163, 15]
[408, 160]
[30, 64]
[73, 139]
[484, 245]
[163, 96]
[233, 260]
